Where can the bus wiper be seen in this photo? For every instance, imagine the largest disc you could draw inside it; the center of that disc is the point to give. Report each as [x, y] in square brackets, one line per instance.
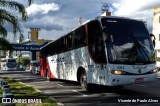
[144, 46]
[137, 44]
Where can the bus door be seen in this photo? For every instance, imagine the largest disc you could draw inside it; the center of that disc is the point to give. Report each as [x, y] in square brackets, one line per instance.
[96, 49]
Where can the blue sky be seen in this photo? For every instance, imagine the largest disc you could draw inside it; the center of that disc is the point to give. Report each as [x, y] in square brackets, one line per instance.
[57, 17]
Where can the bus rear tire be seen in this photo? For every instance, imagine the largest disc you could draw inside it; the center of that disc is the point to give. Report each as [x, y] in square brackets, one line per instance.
[48, 76]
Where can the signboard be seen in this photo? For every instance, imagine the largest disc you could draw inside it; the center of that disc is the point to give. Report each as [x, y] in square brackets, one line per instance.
[22, 47]
[26, 47]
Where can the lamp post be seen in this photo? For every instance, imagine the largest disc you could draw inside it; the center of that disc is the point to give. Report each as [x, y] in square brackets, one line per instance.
[29, 31]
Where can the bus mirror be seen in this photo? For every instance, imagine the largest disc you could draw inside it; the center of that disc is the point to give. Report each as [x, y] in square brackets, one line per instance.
[104, 29]
[105, 34]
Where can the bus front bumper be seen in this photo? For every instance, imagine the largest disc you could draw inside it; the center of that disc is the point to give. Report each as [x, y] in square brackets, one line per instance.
[116, 80]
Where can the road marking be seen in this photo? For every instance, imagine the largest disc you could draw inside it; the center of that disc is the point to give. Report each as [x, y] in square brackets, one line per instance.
[47, 81]
[79, 93]
[59, 85]
[140, 85]
[60, 104]
[15, 74]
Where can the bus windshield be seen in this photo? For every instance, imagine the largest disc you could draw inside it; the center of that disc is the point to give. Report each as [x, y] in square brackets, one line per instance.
[127, 41]
[35, 64]
[12, 60]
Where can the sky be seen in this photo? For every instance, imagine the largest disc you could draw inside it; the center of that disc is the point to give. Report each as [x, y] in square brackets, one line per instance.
[58, 17]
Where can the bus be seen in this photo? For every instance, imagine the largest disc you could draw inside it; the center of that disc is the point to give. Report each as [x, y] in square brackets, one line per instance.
[110, 51]
[34, 67]
[8, 64]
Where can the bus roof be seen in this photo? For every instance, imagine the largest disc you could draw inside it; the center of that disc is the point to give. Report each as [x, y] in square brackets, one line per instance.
[96, 18]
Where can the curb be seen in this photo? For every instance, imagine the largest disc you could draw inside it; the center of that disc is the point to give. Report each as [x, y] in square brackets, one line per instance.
[58, 103]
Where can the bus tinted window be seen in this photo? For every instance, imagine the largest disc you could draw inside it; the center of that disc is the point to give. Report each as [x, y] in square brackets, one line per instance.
[69, 41]
[80, 36]
[11, 60]
[95, 42]
[129, 41]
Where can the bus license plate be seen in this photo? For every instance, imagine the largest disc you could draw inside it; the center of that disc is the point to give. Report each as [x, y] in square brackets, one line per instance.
[137, 80]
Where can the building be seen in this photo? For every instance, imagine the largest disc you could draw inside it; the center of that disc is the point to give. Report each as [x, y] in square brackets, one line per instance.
[156, 28]
[33, 39]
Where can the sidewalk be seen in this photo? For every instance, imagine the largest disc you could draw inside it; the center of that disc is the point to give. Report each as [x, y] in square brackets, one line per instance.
[37, 82]
[158, 74]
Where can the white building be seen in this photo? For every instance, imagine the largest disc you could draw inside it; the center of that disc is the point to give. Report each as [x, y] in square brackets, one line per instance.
[156, 28]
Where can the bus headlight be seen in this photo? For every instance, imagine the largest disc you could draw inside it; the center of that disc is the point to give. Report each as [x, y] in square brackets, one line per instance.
[118, 72]
[154, 70]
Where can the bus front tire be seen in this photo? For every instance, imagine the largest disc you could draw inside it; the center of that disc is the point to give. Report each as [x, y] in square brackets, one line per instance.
[83, 82]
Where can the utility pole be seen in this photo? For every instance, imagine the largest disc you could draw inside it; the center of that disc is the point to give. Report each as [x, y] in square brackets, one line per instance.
[80, 20]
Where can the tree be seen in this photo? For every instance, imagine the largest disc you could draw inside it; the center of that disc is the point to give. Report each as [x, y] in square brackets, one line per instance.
[23, 61]
[6, 16]
[21, 38]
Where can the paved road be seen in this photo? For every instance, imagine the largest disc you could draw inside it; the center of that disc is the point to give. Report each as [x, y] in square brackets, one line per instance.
[71, 94]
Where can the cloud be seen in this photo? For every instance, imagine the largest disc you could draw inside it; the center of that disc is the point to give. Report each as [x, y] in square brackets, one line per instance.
[58, 17]
[43, 8]
[137, 9]
[47, 27]
[128, 7]
[43, 23]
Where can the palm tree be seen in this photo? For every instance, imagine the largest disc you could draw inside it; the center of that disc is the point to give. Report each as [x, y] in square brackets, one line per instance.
[7, 16]
[30, 2]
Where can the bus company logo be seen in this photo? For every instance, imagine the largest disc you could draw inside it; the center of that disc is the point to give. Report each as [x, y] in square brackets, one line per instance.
[6, 100]
[139, 71]
[139, 67]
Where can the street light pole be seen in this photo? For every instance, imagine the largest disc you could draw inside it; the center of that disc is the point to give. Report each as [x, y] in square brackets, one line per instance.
[29, 31]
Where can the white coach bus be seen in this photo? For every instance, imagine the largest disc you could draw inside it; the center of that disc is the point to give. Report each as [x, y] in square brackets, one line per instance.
[8, 64]
[109, 51]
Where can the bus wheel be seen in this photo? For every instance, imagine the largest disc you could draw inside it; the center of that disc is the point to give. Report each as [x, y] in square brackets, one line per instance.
[83, 82]
[48, 76]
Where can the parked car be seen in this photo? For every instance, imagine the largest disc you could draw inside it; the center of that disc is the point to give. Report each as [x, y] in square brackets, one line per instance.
[35, 67]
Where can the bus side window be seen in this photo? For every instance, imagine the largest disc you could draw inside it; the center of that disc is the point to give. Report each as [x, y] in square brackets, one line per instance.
[95, 42]
[44, 54]
[52, 49]
[47, 54]
[61, 45]
[40, 54]
[80, 36]
[64, 44]
[69, 41]
[59, 48]
[49, 50]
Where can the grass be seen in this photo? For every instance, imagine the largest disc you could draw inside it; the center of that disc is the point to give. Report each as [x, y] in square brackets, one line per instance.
[22, 91]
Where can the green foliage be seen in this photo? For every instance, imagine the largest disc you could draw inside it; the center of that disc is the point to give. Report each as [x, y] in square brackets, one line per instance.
[23, 60]
[21, 90]
[158, 59]
[8, 16]
[4, 44]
